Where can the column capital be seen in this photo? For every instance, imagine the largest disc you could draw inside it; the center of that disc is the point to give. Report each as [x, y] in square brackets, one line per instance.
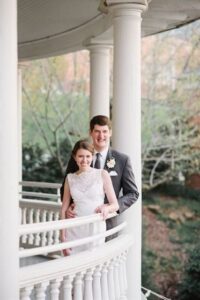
[92, 43]
[107, 5]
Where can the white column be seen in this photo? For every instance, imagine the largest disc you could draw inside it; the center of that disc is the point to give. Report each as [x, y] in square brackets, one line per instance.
[19, 119]
[127, 117]
[99, 79]
[8, 151]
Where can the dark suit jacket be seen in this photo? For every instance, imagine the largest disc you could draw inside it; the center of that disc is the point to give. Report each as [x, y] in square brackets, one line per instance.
[121, 175]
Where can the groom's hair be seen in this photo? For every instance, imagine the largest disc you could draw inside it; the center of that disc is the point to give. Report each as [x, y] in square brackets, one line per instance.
[100, 120]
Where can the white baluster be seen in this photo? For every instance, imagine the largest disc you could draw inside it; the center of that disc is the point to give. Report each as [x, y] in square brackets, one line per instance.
[56, 232]
[30, 221]
[78, 287]
[121, 279]
[20, 215]
[54, 289]
[97, 283]
[25, 293]
[116, 279]
[50, 233]
[24, 210]
[37, 220]
[43, 235]
[40, 291]
[67, 288]
[88, 295]
[104, 282]
[111, 286]
[24, 236]
[124, 271]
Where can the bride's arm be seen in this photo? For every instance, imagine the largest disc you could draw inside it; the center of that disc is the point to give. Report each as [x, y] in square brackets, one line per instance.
[65, 205]
[112, 205]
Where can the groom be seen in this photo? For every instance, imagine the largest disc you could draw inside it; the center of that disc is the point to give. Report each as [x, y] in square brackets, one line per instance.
[117, 164]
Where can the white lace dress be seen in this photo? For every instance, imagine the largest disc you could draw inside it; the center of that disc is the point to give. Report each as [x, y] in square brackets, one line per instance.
[87, 192]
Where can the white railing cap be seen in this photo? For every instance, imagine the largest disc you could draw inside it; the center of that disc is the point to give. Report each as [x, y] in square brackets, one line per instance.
[40, 184]
[60, 224]
[70, 265]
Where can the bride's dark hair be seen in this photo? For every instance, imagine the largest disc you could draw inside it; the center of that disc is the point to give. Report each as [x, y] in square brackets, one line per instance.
[83, 144]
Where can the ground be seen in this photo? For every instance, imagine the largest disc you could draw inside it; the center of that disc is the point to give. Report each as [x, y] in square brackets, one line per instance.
[166, 223]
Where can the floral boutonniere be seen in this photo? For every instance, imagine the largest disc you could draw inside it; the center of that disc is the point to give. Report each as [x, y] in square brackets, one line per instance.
[110, 163]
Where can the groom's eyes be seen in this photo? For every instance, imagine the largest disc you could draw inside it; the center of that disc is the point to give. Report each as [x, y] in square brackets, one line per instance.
[104, 131]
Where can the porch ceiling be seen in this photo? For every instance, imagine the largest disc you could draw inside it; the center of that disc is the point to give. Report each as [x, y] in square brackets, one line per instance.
[49, 27]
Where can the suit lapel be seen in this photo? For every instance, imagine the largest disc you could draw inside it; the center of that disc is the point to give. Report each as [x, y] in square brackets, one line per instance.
[108, 157]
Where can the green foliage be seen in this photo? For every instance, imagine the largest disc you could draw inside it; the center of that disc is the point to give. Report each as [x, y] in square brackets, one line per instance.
[183, 234]
[40, 166]
[190, 287]
[175, 189]
[55, 113]
[170, 105]
[148, 267]
[55, 102]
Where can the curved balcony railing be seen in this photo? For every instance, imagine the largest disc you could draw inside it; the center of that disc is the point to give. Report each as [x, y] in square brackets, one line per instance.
[43, 190]
[90, 275]
[99, 274]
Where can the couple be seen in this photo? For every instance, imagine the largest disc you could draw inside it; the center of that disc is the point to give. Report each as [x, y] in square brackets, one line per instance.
[95, 177]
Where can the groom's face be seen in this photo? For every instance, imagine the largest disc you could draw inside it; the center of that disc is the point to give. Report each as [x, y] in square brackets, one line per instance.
[101, 137]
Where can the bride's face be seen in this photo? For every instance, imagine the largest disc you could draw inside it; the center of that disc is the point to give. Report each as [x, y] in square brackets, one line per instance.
[83, 159]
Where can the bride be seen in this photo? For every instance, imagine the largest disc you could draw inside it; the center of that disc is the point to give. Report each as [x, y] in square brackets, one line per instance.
[87, 187]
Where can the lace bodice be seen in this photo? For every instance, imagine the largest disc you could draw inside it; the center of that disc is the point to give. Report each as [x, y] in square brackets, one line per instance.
[86, 190]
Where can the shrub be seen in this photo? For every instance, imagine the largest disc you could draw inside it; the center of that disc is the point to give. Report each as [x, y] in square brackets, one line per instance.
[190, 287]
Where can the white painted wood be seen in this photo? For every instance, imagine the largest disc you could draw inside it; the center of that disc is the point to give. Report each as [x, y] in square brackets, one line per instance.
[124, 271]
[99, 79]
[88, 294]
[67, 287]
[56, 232]
[78, 287]
[61, 246]
[116, 278]
[37, 235]
[41, 184]
[50, 232]
[25, 293]
[69, 223]
[97, 283]
[40, 291]
[54, 289]
[104, 282]
[24, 236]
[121, 279]
[19, 120]
[9, 153]
[34, 274]
[111, 284]
[127, 107]
[30, 221]
[37, 195]
[43, 234]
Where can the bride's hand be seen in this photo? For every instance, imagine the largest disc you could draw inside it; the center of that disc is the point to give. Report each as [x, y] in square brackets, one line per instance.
[66, 252]
[104, 210]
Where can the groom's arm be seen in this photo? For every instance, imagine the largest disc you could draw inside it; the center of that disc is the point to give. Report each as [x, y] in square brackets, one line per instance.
[130, 192]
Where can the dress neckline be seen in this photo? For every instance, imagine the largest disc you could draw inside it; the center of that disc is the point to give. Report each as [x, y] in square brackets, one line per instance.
[84, 172]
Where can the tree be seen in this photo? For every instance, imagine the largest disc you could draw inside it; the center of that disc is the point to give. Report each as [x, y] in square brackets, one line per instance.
[55, 104]
[170, 135]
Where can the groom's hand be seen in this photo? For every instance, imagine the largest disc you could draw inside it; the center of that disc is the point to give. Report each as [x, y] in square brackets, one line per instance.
[70, 213]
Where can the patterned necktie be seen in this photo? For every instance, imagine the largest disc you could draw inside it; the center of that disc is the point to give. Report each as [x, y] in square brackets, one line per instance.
[97, 164]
